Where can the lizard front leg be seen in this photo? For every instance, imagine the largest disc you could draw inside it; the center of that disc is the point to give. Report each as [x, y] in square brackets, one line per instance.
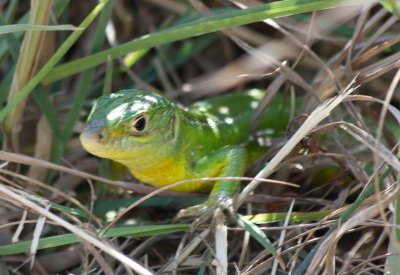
[229, 161]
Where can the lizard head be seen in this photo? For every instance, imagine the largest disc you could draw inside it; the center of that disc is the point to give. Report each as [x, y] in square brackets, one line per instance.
[129, 124]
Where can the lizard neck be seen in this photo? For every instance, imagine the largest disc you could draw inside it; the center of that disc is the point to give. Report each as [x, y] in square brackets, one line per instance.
[165, 162]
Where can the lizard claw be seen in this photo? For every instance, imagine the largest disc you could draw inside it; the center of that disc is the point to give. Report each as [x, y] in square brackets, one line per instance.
[203, 212]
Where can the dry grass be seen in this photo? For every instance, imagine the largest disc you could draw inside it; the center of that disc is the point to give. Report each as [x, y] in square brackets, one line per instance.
[328, 189]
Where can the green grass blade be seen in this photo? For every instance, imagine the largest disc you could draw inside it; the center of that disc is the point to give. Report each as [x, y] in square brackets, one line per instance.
[83, 87]
[199, 27]
[177, 57]
[60, 6]
[103, 206]
[28, 27]
[24, 92]
[5, 84]
[65, 239]
[77, 212]
[256, 233]
[392, 6]
[107, 87]
[44, 103]
[294, 217]
[12, 7]
[11, 40]
[4, 44]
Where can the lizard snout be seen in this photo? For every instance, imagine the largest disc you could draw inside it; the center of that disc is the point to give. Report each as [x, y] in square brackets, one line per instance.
[95, 132]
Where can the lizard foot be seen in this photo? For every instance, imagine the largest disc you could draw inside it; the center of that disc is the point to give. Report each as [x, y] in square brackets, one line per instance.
[203, 212]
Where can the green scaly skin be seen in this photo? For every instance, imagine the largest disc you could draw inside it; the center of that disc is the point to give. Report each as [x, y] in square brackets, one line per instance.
[161, 143]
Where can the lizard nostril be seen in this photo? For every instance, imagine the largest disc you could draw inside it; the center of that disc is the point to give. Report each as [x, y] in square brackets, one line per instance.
[100, 136]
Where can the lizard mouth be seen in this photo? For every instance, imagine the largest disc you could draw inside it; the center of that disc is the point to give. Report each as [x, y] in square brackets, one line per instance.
[104, 148]
[96, 144]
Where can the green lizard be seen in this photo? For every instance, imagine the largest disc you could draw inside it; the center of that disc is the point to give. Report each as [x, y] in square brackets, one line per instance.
[161, 143]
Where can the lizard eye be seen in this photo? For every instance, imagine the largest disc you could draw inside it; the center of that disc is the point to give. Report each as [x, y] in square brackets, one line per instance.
[139, 124]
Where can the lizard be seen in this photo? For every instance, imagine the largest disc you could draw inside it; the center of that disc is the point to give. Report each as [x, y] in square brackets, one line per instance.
[161, 142]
